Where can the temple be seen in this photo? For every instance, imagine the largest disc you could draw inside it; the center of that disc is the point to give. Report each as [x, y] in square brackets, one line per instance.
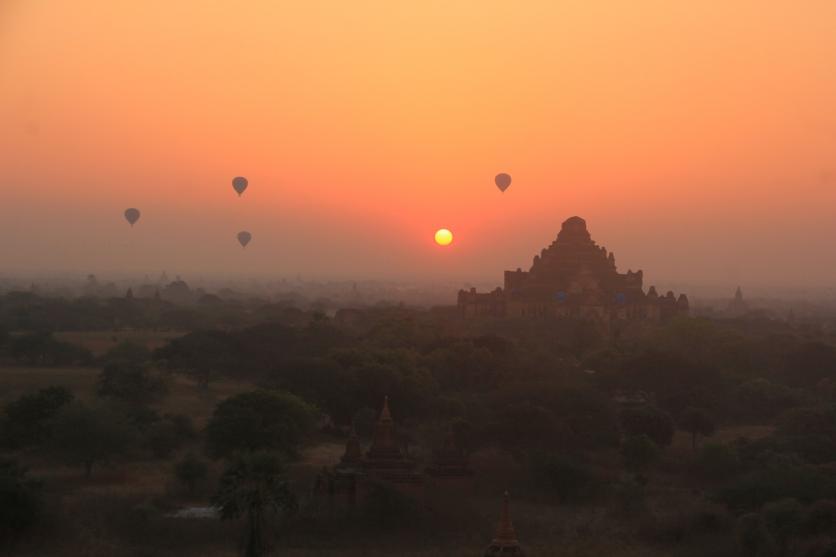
[573, 278]
[738, 306]
[505, 543]
[384, 461]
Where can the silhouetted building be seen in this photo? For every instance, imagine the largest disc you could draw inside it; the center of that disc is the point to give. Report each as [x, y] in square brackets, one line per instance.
[737, 307]
[574, 278]
[385, 461]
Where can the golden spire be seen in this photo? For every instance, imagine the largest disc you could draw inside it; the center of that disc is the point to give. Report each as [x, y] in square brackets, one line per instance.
[506, 536]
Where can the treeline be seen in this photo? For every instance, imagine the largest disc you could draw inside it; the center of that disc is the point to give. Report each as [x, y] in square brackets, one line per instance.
[28, 312]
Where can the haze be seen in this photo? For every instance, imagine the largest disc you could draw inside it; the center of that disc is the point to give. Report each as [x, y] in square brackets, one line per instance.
[697, 139]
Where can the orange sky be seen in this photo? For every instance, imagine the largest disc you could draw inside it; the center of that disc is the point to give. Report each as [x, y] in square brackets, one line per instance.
[698, 139]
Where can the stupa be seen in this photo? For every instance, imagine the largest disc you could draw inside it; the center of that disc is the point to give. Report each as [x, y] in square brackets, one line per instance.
[505, 543]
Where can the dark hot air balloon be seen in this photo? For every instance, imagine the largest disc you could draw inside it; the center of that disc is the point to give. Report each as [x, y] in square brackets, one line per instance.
[132, 215]
[502, 181]
[244, 238]
[239, 184]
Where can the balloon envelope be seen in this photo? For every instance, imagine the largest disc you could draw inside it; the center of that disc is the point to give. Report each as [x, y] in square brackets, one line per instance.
[239, 184]
[502, 181]
[244, 238]
[132, 215]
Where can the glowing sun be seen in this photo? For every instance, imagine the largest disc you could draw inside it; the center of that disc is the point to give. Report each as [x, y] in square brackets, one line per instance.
[443, 237]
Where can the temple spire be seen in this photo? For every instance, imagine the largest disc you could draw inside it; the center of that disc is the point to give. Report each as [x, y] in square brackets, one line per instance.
[505, 544]
[385, 415]
[505, 533]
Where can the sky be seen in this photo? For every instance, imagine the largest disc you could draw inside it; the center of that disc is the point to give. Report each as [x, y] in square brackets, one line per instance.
[698, 139]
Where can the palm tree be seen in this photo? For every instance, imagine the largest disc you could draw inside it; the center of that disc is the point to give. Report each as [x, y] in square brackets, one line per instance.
[253, 485]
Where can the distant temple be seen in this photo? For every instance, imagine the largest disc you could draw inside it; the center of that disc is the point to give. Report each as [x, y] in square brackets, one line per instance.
[574, 278]
[505, 543]
[737, 307]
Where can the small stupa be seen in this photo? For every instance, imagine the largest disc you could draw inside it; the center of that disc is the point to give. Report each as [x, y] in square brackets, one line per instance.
[505, 543]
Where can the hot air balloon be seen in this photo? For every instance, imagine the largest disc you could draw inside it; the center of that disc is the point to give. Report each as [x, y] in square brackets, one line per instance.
[502, 181]
[132, 215]
[244, 238]
[239, 184]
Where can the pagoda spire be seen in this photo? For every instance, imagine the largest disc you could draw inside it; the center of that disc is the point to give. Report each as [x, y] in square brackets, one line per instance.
[385, 415]
[505, 533]
[505, 543]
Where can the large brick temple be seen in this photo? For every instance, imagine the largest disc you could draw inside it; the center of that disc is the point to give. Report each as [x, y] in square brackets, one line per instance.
[573, 278]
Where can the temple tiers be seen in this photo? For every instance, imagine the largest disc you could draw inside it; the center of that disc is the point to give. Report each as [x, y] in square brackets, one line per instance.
[573, 277]
[505, 543]
[384, 461]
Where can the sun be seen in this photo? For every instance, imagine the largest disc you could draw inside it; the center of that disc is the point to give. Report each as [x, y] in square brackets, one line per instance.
[443, 237]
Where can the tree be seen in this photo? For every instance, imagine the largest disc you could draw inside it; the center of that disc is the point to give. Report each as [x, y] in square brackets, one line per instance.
[165, 435]
[639, 453]
[27, 418]
[42, 349]
[90, 434]
[259, 420]
[201, 355]
[650, 421]
[696, 422]
[129, 382]
[191, 470]
[253, 485]
[20, 500]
